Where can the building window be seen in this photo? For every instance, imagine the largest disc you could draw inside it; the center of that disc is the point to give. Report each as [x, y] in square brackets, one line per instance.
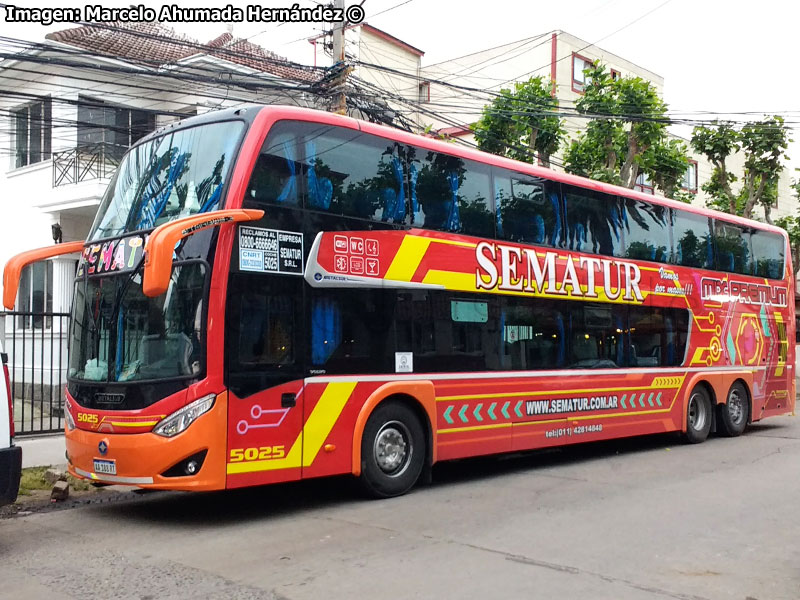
[425, 91]
[690, 177]
[35, 296]
[32, 124]
[579, 78]
[99, 122]
[643, 184]
[615, 74]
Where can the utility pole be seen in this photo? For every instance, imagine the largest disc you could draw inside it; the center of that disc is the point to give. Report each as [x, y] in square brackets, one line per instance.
[339, 103]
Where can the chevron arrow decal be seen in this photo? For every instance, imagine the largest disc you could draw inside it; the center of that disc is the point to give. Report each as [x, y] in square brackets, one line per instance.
[490, 412]
[477, 412]
[504, 410]
[462, 414]
[517, 409]
[447, 416]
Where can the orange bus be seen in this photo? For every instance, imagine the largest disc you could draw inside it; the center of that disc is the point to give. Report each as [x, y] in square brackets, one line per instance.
[270, 294]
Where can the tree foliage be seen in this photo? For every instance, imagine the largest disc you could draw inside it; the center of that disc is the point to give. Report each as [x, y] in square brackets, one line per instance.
[626, 135]
[764, 146]
[522, 123]
[792, 226]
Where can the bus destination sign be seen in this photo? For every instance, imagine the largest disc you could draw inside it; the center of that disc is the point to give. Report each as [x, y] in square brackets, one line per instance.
[270, 251]
[115, 256]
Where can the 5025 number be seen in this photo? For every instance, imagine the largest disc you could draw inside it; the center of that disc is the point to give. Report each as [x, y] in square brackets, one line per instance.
[260, 453]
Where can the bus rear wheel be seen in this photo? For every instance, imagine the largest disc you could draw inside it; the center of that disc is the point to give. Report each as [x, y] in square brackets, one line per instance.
[698, 415]
[392, 450]
[734, 413]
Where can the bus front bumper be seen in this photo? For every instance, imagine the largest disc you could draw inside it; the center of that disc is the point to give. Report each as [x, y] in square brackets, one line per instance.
[151, 461]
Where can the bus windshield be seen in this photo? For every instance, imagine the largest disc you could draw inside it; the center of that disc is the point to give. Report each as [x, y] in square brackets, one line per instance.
[119, 334]
[174, 175]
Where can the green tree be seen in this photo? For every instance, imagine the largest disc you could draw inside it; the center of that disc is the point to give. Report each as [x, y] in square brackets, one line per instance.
[763, 144]
[522, 123]
[626, 134]
[792, 226]
[666, 164]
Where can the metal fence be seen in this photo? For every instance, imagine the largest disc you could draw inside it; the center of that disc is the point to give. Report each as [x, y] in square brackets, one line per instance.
[86, 162]
[36, 344]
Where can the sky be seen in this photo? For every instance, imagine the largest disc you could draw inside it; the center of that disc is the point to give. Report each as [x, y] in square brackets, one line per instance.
[715, 56]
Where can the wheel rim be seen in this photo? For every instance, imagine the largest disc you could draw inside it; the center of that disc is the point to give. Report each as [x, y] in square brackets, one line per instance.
[393, 448]
[698, 412]
[736, 407]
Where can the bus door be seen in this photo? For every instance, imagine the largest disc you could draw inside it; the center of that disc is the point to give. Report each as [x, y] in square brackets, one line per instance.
[264, 370]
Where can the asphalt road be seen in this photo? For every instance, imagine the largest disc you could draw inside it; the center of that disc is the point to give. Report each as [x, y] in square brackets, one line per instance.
[648, 518]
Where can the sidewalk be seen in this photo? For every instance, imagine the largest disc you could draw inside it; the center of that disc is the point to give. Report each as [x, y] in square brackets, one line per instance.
[42, 451]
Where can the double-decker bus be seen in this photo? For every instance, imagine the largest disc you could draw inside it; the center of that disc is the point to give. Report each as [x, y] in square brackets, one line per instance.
[270, 294]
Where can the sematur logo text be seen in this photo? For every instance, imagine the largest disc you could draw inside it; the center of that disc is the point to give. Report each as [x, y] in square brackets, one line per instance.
[514, 269]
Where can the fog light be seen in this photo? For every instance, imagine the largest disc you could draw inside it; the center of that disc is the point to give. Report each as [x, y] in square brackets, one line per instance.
[189, 466]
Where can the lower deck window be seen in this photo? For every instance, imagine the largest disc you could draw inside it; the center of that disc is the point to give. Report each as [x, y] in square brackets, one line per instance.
[358, 331]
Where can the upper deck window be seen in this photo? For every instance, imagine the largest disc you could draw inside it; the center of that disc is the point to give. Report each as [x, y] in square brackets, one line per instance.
[646, 231]
[692, 242]
[732, 248]
[768, 254]
[594, 222]
[171, 176]
[528, 209]
[346, 172]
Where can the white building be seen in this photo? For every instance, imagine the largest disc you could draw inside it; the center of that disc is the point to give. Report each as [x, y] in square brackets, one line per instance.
[70, 107]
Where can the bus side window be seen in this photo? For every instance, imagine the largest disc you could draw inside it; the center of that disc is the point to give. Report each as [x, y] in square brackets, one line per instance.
[732, 248]
[657, 336]
[646, 231]
[264, 327]
[351, 330]
[533, 334]
[768, 251]
[691, 240]
[651, 344]
[594, 221]
[528, 209]
[278, 171]
[475, 205]
[438, 186]
[598, 336]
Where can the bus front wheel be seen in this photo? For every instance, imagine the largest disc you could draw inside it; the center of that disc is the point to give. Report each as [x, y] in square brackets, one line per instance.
[392, 450]
[734, 413]
[698, 415]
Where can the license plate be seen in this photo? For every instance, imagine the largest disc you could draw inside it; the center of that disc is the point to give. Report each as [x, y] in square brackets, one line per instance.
[107, 467]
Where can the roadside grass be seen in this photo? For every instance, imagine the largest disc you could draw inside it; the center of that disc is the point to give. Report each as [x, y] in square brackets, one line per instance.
[33, 479]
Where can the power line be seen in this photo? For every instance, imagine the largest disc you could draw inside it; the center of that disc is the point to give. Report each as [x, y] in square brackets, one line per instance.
[388, 9]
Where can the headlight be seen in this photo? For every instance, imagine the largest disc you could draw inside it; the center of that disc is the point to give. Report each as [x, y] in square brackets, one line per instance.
[68, 416]
[181, 419]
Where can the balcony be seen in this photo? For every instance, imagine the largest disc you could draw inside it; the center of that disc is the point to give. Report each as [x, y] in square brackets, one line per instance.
[70, 184]
[86, 163]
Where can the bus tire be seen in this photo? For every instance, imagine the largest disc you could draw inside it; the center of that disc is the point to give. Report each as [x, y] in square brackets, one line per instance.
[733, 415]
[392, 450]
[698, 415]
